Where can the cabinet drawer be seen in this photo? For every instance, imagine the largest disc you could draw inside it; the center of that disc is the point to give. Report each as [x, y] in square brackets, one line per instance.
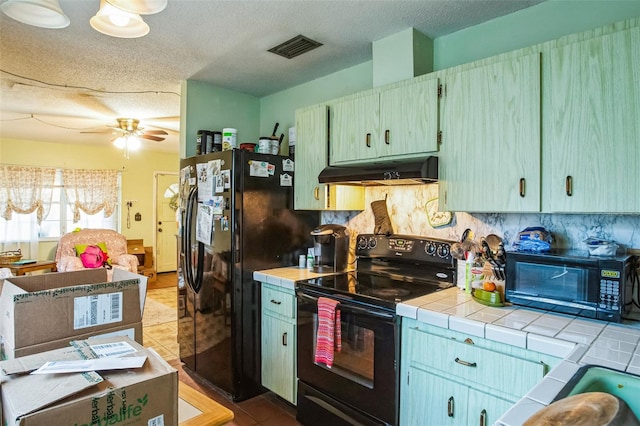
[483, 368]
[278, 302]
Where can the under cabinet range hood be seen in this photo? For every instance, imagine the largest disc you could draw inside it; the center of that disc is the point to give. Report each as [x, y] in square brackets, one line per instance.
[419, 172]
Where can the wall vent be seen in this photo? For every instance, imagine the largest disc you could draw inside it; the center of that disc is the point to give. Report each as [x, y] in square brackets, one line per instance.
[295, 47]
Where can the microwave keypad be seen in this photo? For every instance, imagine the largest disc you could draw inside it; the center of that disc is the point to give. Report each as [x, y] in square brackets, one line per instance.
[609, 294]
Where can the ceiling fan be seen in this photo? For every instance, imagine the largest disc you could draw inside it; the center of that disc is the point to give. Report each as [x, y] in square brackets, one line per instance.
[129, 127]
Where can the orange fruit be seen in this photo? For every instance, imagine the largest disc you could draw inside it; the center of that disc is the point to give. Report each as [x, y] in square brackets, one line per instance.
[489, 286]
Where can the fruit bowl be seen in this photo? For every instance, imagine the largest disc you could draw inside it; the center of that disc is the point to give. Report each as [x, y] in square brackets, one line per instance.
[491, 298]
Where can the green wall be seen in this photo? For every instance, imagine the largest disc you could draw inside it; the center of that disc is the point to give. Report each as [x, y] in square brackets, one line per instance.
[207, 107]
[280, 107]
[543, 22]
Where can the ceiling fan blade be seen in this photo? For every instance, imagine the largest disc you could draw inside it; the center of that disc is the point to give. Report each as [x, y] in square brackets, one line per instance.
[109, 129]
[155, 132]
[152, 138]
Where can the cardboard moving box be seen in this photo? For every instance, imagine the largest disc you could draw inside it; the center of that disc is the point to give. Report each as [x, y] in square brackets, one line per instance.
[139, 396]
[59, 307]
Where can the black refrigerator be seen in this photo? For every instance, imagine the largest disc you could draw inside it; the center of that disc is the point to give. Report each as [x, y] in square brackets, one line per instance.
[236, 217]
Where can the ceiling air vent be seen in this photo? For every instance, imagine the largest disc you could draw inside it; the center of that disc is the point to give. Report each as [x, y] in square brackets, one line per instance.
[295, 47]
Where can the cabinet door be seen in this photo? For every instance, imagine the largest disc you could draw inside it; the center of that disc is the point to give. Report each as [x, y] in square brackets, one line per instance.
[490, 151]
[428, 399]
[310, 158]
[312, 129]
[355, 129]
[278, 357]
[485, 409]
[409, 120]
[591, 114]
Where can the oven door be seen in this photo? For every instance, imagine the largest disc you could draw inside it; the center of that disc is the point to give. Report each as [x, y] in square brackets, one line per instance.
[363, 375]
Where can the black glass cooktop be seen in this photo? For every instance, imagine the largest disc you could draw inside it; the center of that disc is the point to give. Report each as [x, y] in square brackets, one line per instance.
[382, 287]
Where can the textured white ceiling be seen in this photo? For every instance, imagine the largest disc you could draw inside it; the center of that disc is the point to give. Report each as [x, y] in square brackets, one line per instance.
[75, 79]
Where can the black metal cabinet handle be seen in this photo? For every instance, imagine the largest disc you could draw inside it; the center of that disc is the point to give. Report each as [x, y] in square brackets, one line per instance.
[465, 363]
[522, 187]
[568, 186]
[450, 407]
[284, 339]
[483, 417]
[386, 137]
[368, 140]
[275, 302]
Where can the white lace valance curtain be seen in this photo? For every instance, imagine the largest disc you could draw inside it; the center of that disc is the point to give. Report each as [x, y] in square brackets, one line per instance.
[91, 191]
[25, 189]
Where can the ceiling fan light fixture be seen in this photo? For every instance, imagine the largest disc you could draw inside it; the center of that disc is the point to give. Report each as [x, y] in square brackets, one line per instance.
[117, 23]
[141, 7]
[120, 142]
[39, 13]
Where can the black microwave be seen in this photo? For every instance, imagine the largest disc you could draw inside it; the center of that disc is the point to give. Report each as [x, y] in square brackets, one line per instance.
[572, 282]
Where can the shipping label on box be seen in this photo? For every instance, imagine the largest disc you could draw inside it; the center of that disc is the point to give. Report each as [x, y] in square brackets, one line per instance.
[132, 331]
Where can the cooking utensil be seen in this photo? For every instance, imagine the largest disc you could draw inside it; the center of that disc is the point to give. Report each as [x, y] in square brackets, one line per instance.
[280, 140]
[487, 252]
[494, 242]
[457, 252]
[275, 129]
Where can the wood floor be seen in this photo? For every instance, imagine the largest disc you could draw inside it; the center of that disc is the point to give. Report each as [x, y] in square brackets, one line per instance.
[264, 410]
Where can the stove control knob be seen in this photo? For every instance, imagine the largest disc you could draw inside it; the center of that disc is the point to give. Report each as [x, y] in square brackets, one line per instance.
[430, 248]
[443, 250]
[362, 243]
[372, 242]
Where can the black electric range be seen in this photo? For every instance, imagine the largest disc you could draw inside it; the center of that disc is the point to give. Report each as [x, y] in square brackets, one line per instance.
[392, 269]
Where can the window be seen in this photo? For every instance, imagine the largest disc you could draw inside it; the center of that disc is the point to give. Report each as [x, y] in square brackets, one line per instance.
[59, 221]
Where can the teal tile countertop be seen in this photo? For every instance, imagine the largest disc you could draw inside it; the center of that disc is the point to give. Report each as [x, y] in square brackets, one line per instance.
[579, 341]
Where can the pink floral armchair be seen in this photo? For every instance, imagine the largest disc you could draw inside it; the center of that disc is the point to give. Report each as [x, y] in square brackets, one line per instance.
[67, 259]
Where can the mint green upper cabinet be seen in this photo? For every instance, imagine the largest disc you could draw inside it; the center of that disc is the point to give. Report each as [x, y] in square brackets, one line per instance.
[490, 151]
[397, 122]
[409, 120]
[310, 157]
[312, 129]
[355, 129]
[591, 139]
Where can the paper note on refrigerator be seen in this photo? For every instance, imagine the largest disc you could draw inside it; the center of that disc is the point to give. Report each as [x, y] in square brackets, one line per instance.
[205, 181]
[204, 223]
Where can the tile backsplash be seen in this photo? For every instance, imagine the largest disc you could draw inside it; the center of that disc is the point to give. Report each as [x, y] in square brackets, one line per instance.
[406, 206]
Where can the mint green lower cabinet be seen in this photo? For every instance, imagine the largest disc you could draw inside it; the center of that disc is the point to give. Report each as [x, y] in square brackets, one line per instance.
[449, 378]
[485, 409]
[428, 399]
[279, 372]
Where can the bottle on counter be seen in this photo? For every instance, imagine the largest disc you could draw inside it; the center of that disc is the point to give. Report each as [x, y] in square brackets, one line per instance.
[310, 257]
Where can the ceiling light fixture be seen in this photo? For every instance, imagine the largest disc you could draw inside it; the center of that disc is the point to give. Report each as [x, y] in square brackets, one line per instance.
[129, 142]
[141, 7]
[39, 13]
[116, 22]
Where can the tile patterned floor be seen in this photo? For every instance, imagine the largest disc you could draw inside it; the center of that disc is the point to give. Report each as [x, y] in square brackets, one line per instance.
[264, 410]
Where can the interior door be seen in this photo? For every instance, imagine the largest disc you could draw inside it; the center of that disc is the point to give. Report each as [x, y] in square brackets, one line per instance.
[166, 225]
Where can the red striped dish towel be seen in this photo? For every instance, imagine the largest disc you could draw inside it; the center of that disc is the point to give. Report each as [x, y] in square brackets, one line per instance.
[329, 336]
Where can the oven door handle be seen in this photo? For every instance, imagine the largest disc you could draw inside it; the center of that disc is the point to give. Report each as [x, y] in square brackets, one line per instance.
[349, 308]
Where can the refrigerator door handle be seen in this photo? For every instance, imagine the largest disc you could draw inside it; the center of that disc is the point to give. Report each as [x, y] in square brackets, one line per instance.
[195, 283]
